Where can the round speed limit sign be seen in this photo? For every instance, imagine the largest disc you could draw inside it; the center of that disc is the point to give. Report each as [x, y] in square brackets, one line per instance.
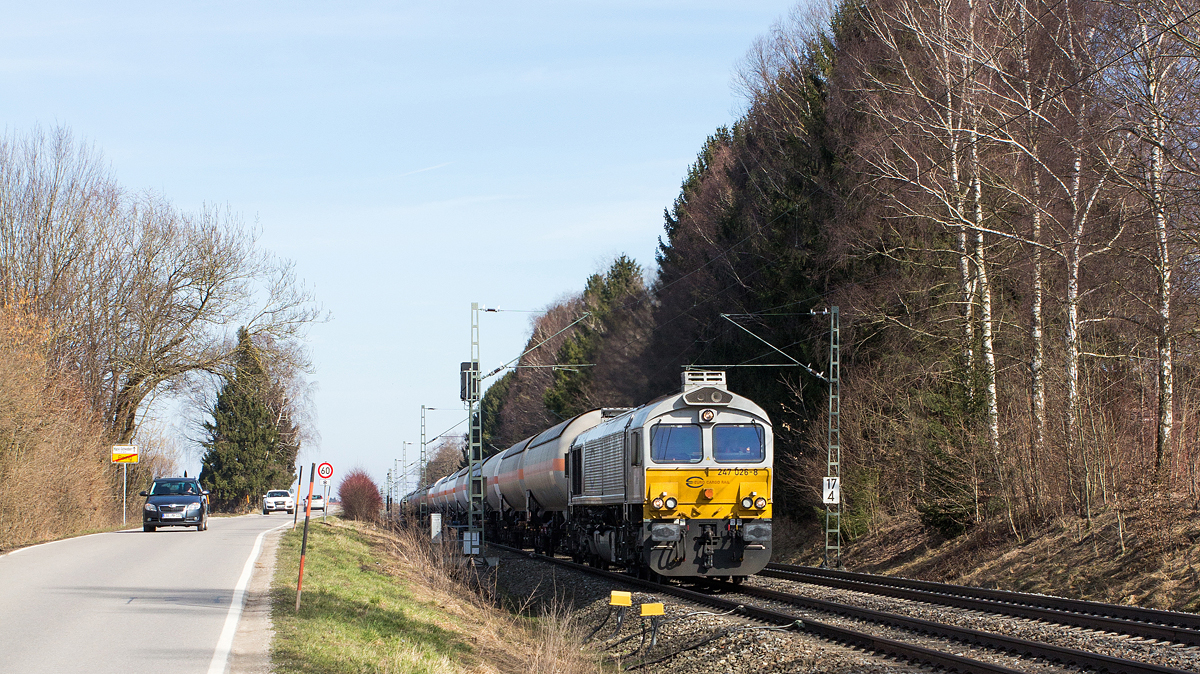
[325, 470]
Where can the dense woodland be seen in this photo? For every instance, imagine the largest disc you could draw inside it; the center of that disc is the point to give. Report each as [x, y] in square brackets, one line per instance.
[110, 300]
[1001, 197]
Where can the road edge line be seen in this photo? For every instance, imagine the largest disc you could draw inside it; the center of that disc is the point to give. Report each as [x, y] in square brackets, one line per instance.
[225, 643]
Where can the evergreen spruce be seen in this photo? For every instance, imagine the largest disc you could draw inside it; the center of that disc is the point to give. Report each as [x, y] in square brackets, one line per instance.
[245, 456]
[570, 393]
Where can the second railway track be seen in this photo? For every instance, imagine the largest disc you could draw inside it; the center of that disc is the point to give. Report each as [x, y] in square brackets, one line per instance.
[1183, 628]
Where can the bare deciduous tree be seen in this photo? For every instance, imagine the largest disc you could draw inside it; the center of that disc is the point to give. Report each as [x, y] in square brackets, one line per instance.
[138, 294]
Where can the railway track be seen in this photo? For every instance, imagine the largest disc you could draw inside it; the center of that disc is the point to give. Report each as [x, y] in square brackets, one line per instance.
[1183, 628]
[890, 647]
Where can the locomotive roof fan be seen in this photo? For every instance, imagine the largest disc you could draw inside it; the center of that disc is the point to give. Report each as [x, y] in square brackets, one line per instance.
[694, 379]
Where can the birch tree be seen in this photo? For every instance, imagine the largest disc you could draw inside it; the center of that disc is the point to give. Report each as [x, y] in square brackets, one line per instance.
[1153, 84]
[931, 96]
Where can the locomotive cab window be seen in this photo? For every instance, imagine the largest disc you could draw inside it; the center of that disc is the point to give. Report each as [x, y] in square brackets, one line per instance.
[739, 443]
[675, 443]
[635, 448]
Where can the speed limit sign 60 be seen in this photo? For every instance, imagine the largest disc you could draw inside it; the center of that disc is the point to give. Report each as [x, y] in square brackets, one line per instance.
[325, 470]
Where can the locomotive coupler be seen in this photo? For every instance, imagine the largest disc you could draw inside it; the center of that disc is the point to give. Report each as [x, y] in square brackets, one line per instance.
[708, 543]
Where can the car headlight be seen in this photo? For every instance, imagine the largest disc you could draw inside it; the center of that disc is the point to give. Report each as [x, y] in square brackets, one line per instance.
[747, 503]
[760, 503]
[195, 507]
[150, 507]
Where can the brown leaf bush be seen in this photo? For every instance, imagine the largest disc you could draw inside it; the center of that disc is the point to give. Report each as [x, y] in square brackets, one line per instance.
[360, 496]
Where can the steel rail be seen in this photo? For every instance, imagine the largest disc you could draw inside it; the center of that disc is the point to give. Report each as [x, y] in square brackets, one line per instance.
[1190, 621]
[953, 595]
[891, 647]
[1023, 647]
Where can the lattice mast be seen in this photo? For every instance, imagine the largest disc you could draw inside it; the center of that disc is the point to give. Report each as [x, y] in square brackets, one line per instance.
[833, 511]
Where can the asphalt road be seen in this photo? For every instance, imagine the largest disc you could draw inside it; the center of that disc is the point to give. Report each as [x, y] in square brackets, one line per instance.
[128, 601]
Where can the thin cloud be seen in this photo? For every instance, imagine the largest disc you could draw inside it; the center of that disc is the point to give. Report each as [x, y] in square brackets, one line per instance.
[428, 168]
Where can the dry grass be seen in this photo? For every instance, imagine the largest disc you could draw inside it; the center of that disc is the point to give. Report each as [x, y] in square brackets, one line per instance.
[1149, 557]
[389, 601]
[545, 640]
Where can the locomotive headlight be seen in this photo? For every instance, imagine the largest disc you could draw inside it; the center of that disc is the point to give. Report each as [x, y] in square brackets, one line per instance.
[707, 416]
[747, 503]
[671, 503]
[657, 503]
[760, 503]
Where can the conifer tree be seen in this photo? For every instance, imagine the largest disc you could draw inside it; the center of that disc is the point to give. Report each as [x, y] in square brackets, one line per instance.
[245, 456]
[571, 393]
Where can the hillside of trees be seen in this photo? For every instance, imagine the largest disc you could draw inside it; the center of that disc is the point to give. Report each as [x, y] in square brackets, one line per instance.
[1001, 197]
[109, 300]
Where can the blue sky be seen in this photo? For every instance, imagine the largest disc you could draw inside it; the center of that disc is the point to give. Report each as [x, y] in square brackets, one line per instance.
[410, 158]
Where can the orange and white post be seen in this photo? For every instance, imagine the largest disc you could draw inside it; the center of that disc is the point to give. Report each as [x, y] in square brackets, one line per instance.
[304, 543]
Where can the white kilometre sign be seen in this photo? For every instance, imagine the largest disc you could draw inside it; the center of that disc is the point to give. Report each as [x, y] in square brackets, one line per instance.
[831, 490]
[435, 527]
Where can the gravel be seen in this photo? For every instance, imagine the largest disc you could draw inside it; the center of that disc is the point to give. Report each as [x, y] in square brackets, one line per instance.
[694, 639]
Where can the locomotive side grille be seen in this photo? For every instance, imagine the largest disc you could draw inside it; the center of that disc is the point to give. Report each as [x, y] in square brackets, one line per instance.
[603, 468]
[614, 474]
[593, 470]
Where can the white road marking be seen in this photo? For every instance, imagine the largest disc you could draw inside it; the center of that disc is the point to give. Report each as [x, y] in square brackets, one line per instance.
[225, 643]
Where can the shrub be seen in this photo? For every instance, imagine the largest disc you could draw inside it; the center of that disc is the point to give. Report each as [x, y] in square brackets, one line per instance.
[359, 496]
[55, 476]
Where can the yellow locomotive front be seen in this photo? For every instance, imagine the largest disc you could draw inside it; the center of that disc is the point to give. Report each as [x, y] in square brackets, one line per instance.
[696, 494]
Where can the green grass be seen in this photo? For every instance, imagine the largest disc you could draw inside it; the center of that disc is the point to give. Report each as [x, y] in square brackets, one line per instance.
[353, 617]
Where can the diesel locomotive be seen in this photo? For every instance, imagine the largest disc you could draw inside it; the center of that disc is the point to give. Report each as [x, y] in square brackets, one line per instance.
[680, 486]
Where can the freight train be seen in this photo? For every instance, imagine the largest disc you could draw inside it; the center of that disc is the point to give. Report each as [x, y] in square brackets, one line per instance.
[678, 487]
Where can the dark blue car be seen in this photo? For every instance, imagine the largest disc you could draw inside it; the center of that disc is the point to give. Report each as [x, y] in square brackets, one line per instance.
[175, 502]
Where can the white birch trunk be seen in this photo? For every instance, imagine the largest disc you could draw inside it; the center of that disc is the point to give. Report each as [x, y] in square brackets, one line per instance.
[1163, 450]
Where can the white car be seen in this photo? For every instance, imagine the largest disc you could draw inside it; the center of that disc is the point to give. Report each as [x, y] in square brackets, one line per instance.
[318, 503]
[278, 499]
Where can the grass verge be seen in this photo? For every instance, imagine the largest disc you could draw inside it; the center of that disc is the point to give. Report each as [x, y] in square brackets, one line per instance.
[378, 601]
